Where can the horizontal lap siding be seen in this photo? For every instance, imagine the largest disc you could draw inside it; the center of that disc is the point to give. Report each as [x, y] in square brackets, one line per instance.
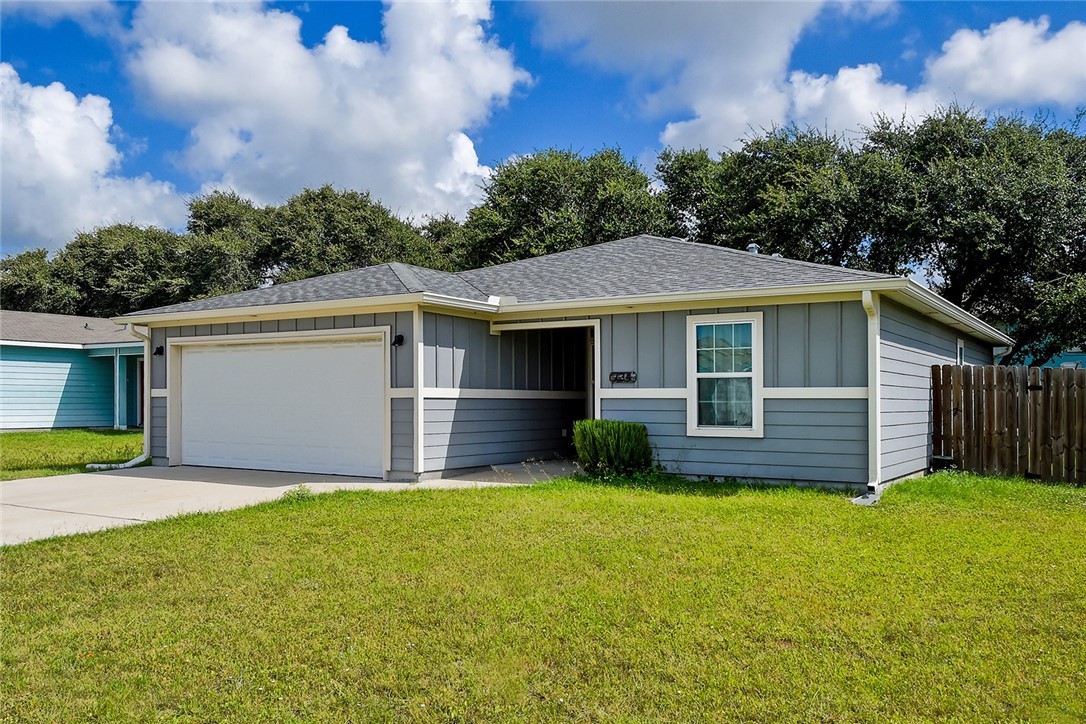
[816, 440]
[45, 388]
[158, 427]
[403, 434]
[910, 345]
[473, 432]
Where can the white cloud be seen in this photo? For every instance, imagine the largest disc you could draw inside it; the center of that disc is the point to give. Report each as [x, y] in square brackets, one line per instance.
[95, 16]
[1011, 63]
[270, 116]
[726, 65]
[850, 99]
[722, 63]
[1015, 61]
[59, 168]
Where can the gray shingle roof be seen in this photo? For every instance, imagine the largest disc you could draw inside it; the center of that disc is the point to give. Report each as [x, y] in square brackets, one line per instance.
[639, 265]
[649, 265]
[59, 329]
[372, 281]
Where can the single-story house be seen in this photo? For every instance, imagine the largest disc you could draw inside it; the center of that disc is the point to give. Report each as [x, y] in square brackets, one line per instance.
[58, 370]
[740, 364]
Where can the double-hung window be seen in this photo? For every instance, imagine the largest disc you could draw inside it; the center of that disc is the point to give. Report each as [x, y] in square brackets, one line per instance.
[724, 379]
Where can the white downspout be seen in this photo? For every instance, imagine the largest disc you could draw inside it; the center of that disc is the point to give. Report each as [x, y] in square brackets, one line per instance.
[146, 409]
[874, 390]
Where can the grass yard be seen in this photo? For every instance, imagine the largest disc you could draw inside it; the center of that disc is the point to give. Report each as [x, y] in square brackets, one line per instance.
[60, 452]
[957, 597]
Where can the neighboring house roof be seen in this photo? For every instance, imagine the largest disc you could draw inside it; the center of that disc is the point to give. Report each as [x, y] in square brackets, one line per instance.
[628, 271]
[35, 327]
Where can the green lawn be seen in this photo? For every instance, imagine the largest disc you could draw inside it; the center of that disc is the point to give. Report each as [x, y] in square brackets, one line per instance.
[59, 452]
[956, 597]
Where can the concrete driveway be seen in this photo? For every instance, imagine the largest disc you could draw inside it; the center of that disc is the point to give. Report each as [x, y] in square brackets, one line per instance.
[35, 508]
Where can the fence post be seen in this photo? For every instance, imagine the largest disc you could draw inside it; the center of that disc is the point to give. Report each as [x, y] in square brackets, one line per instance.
[936, 412]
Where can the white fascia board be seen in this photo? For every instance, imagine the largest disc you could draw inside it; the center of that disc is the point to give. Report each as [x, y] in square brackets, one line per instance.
[46, 345]
[473, 305]
[301, 309]
[920, 297]
[768, 293]
[109, 345]
[68, 345]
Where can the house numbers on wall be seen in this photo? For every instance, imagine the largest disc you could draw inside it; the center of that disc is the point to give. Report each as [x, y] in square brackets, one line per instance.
[623, 377]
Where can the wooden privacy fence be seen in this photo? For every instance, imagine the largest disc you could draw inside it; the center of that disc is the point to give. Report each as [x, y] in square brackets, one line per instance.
[1026, 421]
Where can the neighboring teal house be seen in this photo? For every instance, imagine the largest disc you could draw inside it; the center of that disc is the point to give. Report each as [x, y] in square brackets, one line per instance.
[64, 371]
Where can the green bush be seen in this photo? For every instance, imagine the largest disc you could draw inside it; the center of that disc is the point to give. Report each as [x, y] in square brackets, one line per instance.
[612, 446]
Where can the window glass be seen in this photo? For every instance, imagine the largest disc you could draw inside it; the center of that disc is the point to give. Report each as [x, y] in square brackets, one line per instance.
[726, 402]
[724, 372]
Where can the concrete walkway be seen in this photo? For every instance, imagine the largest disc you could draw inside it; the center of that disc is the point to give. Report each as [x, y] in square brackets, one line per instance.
[35, 508]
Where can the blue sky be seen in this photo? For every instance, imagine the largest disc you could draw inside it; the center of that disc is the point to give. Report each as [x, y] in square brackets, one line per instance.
[121, 112]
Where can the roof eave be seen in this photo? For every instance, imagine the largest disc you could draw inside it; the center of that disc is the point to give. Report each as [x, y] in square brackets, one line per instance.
[790, 290]
[309, 308]
[949, 313]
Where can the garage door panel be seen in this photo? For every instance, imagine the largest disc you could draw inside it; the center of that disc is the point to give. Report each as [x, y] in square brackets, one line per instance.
[299, 406]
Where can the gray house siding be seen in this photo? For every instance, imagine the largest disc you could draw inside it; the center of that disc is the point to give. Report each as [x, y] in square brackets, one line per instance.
[805, 345]
[820, 440]
[910, 344]
[403, 434]
[473, 432]
[158, 430]
[460, 353]
[401, 371]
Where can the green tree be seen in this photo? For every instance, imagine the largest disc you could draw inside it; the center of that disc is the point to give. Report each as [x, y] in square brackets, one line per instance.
[556, 200]
[325, 230]
[791, 191]
[28, 284]
[122, 268]
[992, 211]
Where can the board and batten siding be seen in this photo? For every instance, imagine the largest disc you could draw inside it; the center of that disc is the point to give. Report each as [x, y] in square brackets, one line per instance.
[473, 432]
[468, 431]
[910, 345]
[401, 371]
[809, 440]
[820, 344]
[461, 353]
[47, 388]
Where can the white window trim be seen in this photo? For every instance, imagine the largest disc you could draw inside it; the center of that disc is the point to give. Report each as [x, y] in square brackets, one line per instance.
[959, 352]
[692, 428]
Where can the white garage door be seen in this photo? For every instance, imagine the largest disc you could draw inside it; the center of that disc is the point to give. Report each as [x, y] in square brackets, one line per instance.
[315, 407]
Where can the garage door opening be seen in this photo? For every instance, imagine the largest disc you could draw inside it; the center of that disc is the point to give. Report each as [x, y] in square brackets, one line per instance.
[314, 406]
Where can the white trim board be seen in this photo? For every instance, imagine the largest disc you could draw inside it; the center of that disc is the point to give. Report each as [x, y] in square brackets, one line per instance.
[814, 393]
[458, 393]
[768, 393]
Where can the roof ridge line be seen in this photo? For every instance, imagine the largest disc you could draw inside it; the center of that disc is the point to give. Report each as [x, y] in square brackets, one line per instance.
[407, 277]
[733, 250]
[460, 275]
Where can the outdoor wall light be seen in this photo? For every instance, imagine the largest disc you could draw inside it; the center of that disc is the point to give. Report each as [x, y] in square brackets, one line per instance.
[397, 341]
[159, 351]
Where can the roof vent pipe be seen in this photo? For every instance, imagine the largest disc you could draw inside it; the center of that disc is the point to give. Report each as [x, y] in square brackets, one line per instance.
[752, 248]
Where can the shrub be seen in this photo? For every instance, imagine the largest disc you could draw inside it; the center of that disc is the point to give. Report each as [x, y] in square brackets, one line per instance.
[298, 494]
[612, 446]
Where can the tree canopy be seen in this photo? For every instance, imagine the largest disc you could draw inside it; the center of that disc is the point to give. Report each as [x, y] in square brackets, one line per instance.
[556, 200]
[989, 211]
